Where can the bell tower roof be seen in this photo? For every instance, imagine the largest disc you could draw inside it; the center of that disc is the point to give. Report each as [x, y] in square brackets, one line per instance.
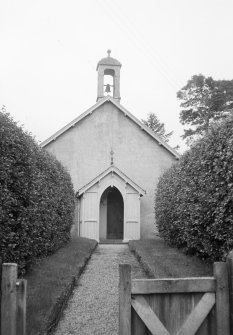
[108, 67]
[108, 61]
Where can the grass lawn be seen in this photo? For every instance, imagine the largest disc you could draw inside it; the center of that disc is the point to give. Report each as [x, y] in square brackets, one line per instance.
[164, 261]
[51, 281]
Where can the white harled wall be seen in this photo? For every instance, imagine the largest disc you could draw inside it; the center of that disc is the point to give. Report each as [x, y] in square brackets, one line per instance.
[85, 151]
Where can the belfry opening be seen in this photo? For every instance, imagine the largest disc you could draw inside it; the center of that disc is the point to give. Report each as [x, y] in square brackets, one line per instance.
[108, 69]
[109, 82]
[111, 215]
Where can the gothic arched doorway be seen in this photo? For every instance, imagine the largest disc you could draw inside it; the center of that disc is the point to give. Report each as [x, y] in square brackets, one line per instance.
[111, 214]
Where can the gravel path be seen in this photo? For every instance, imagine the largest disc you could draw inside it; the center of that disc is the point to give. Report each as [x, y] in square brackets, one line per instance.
[93, 307]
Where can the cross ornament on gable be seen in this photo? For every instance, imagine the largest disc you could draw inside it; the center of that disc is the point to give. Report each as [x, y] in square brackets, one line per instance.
[111, 155]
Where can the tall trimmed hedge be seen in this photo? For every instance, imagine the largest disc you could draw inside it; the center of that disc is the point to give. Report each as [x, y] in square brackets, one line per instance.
[37, 197]
[194, 198]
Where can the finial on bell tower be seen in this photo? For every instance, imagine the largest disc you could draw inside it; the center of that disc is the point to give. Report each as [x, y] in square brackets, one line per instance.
[108, 66]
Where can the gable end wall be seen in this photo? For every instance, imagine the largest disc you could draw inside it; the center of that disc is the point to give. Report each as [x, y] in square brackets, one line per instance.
[85, 151]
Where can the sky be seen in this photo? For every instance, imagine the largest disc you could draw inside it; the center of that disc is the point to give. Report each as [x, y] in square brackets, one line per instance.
[50, 49]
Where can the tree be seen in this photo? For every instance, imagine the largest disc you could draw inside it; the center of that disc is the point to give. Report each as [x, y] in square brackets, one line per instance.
[193, 200]
[204, 101]
[37, 197]
[154, 124]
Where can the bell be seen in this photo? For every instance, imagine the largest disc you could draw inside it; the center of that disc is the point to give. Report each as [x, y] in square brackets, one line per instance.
[107, 89]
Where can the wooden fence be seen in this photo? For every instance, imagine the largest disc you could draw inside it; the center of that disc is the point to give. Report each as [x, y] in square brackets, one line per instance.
[13, 301]
[177, 306]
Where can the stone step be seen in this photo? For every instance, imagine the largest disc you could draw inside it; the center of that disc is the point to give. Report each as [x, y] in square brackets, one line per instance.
[112, 241]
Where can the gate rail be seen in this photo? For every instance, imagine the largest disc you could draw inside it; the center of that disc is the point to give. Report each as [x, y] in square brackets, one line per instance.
[181, 306]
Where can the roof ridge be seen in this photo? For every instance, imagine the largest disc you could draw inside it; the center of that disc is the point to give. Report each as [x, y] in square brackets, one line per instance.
[125, 111]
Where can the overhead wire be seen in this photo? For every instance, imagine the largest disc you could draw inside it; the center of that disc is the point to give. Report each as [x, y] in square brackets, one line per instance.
[121, 22]
[148, 46]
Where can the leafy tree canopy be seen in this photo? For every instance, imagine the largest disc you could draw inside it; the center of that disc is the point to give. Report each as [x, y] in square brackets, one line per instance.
[194, 198]
[37, 197]
[204, 101]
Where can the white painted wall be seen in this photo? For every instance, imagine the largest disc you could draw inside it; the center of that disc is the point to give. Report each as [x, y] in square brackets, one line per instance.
[85, 151]
[91, 225]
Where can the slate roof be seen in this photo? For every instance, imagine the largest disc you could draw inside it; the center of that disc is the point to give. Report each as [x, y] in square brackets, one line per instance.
[102, 101]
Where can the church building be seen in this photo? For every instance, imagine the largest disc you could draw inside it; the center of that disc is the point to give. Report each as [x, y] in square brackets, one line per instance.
[114, 161]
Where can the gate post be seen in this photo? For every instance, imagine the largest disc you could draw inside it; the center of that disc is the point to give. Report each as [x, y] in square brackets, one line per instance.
[125, 299]
[222, 298]
[0, 294]
[8, 299]
[21, 306]
[230, 278]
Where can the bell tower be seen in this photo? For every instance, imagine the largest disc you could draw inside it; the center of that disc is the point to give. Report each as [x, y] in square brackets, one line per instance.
[108, 67]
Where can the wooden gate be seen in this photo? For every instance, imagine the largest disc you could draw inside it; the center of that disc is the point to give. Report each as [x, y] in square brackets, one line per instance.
[174, 306]
[12, 301]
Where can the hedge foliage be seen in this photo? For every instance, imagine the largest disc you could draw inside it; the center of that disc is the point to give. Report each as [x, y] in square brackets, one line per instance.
[37, 197]
[194, 198]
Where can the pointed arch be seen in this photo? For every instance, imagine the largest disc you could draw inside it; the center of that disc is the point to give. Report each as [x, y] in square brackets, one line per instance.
[92, 205]
[111, 214]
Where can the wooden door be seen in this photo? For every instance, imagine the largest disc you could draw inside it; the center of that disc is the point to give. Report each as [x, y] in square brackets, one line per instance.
[115, 214]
